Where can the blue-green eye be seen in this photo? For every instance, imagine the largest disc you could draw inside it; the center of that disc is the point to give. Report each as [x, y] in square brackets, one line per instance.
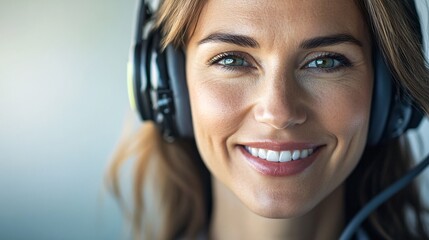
[230, 60]
[324, 63]
[329, 62]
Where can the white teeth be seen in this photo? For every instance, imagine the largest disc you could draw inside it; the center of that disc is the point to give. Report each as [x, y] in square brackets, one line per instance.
[295, 155]
[272, 156]
[285, 156]
[262, 153]
[304, 153]
[254, 151]
[279, 156]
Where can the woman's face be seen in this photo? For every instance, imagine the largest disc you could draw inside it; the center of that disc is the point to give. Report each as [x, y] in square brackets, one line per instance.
[280, 96]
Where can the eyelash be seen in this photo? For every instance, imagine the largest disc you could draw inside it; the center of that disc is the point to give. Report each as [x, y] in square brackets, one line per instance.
[222, 56]
[341, 59]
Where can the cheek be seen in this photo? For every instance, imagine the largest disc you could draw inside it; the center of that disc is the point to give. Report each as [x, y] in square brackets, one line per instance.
[341, 106]
[218, 106]
[347, 112]
[217, 112]
[346, 118]
[213, 107]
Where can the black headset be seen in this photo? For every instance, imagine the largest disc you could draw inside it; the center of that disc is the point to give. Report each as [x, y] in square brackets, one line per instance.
[158, 90]
[156, 80]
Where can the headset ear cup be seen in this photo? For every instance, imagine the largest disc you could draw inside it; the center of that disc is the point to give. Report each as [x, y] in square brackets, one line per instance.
[392, 111]
[400, 116]
[166, 89]
[144, 88]
[381, 100]
[138, 87]
[176, 67]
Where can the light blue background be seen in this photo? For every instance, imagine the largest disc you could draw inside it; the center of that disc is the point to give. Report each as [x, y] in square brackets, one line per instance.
[63, 102]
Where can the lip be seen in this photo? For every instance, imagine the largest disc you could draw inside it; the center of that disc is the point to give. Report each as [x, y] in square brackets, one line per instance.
[280, 169]
[277, 146]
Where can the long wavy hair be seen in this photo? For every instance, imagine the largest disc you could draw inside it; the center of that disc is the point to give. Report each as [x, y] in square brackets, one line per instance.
[171, 186]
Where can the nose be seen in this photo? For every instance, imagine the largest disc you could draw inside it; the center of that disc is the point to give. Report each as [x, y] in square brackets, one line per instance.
[280, 103]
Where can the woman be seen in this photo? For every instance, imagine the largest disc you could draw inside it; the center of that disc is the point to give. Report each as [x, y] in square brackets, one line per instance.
[280, 95]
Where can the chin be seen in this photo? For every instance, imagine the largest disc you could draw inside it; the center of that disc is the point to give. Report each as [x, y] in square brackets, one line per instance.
[280, 209]
[270, 213]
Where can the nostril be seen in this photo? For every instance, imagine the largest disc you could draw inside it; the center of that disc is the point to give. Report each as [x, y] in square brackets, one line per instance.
[280, 119]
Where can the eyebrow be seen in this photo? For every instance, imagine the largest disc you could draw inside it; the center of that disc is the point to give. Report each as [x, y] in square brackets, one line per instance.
[246, 41]
[329, 41]
[240, 40]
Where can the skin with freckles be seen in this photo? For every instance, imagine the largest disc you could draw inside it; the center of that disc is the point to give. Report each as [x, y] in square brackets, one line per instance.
[279, 74]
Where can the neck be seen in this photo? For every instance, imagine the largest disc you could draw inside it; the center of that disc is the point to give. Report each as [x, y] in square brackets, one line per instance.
[232, 220]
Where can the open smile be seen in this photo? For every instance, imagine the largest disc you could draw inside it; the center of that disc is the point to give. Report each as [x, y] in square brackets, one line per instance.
[280, 156]
[280, 160]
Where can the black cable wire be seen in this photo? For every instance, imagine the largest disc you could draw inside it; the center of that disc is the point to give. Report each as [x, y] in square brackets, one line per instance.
[382, 197]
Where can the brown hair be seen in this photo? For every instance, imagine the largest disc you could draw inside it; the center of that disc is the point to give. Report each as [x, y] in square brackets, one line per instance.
[395, 30]
[170, 185]
[171, 188]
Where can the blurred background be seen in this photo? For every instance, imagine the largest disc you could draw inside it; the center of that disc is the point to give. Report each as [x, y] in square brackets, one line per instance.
[63, 102]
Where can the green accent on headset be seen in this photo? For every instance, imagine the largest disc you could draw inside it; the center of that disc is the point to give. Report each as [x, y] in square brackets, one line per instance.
[130, 83]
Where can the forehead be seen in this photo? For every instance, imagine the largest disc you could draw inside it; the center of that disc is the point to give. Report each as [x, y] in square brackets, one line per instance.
[277, 20]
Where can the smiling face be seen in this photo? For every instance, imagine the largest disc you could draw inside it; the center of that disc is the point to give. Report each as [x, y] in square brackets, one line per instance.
[280, 96]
